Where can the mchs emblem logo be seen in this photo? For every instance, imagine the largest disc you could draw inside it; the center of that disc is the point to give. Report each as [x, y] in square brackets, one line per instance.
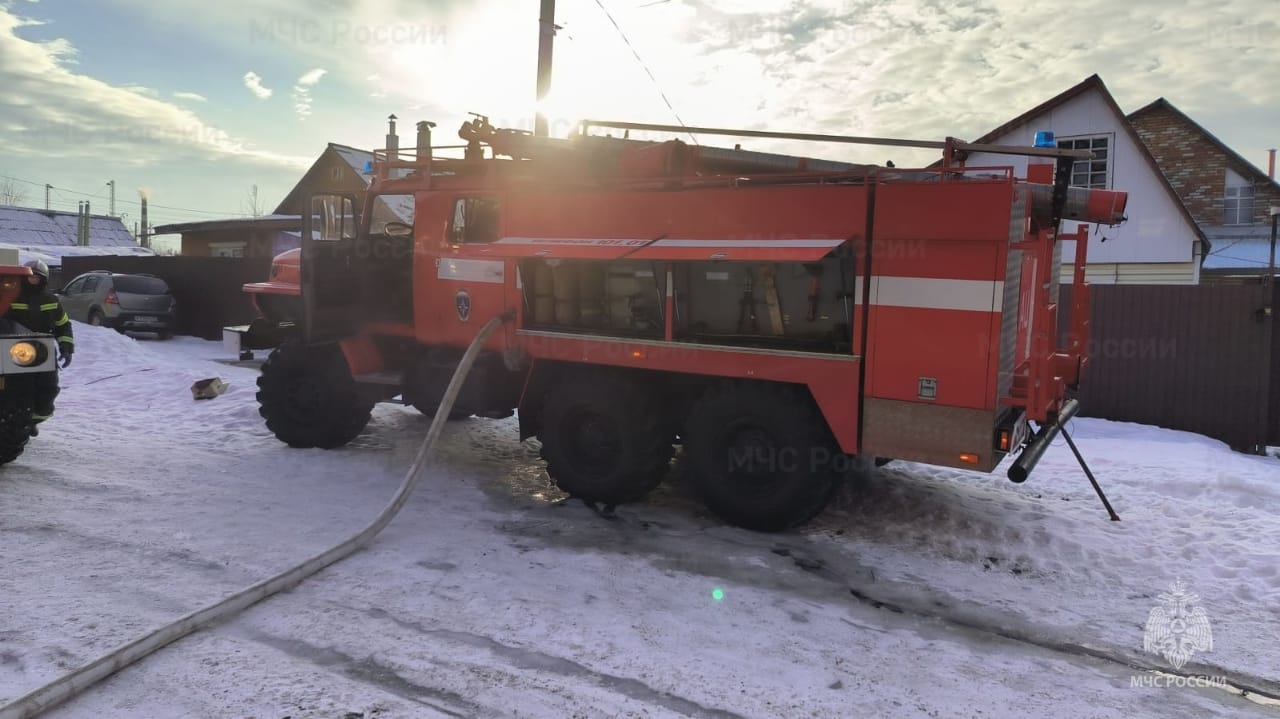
[1177, 628]
[462, 301]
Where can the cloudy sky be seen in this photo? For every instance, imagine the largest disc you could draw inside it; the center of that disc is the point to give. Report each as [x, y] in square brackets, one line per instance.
[195, 101]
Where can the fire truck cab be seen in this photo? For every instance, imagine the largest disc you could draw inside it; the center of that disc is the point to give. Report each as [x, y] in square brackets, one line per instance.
[776, 316]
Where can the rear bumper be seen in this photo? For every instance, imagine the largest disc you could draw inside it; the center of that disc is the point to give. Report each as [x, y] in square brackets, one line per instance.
[142, 321]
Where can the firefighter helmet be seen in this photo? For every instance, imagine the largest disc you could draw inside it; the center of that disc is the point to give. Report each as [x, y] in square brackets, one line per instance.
[39, 269]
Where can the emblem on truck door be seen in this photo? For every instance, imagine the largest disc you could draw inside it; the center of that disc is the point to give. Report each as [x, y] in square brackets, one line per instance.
[462, 301]
[928, 388]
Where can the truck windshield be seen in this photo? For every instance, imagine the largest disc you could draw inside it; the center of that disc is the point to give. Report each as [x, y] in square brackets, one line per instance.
[388, 209]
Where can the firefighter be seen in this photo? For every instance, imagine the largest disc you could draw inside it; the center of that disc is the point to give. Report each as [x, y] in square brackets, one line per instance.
[39, 310]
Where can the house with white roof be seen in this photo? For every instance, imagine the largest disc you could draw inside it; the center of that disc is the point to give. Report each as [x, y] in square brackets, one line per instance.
[50, 235]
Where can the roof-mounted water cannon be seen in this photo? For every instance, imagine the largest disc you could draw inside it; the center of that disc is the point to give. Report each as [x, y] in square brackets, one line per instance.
[474, 132]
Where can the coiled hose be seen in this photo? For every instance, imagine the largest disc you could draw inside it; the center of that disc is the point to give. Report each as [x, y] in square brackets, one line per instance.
[71, 685]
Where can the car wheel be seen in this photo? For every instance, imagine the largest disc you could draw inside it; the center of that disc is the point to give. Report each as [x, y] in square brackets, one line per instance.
[96, 318]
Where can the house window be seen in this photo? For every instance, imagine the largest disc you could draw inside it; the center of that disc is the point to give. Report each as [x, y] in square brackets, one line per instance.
[1238, 206]
[226, 249]
[1095, 172]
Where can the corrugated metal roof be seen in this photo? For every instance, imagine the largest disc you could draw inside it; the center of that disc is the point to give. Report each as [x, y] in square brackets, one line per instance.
[1249, 250]
[35, 227]
[229, 223]
[52, 254]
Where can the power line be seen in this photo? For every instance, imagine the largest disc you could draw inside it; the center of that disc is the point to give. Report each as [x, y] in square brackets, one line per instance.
[640, 60]
[150, 205]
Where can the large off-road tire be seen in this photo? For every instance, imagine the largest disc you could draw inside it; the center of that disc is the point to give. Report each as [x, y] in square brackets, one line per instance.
[15, 428]
[604, 437]
[761, 455]
[308, 398]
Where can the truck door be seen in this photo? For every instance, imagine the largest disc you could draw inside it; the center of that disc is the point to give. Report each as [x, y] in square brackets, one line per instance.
[330, 294]
[469, 280]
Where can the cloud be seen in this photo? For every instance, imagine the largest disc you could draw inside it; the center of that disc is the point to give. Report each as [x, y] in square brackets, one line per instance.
[902, 68]
[302, 92]
[54, 112]
[253, 81]
[184, 95]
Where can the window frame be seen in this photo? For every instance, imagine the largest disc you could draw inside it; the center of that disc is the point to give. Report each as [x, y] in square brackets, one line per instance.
[463, 210]
[1237, 204]
[1108, 147]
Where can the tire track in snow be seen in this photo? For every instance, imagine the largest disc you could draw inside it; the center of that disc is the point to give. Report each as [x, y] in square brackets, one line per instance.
[900, 598]
[550, 664]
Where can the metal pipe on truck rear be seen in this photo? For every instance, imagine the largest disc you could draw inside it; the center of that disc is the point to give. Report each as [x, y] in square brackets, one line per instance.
[1043, 437]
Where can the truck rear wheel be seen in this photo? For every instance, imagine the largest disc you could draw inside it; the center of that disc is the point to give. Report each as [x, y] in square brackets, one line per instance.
[15, 429]
[761, 455]
[604, 438]
[308, 397]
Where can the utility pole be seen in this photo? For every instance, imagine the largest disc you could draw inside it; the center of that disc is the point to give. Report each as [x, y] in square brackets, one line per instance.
[1271, 266]
[112, 210]
[47, 187]
[546, 35]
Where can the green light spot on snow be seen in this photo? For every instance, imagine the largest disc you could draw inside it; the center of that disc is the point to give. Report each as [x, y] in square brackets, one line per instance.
[717, 594]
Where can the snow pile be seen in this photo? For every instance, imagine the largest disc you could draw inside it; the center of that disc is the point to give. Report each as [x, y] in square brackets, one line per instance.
[144, 387]
[1045, 552]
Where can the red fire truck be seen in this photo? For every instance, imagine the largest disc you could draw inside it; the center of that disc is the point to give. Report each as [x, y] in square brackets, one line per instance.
[774, 315]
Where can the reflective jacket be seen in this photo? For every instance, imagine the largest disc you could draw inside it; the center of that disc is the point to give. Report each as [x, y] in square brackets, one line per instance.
[41, 312]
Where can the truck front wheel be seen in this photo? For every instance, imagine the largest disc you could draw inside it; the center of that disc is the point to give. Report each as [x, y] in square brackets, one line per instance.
[604, 438]
[308, 397]
[761, 455]
[15, 428]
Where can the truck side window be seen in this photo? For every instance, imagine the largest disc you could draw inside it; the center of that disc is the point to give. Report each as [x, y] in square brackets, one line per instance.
[333, 218]
[475, 220]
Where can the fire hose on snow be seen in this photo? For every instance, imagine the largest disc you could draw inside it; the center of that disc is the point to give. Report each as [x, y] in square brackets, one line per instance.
[69, 686]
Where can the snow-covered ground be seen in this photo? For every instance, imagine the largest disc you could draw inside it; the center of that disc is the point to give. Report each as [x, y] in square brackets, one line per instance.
[922, 592]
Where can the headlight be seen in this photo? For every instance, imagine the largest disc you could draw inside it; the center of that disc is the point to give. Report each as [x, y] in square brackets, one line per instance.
[24, 354]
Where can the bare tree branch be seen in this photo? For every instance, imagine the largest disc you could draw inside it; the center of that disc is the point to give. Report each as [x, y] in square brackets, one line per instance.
[252, 204]
[11, 193]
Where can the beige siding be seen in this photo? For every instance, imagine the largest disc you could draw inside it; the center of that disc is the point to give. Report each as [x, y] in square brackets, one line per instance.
[1145, 273]
[1139, 273]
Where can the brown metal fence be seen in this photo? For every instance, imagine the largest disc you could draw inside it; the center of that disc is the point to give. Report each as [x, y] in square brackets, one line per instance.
[1201, 358]
[208, 289]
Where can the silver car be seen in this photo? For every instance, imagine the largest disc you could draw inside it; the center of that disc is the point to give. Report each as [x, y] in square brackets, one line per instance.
[140, 302]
